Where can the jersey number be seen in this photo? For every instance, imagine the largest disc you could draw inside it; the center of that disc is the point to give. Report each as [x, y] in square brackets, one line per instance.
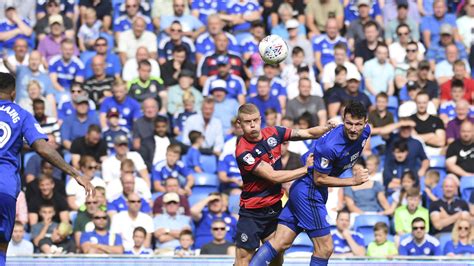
[7, 133]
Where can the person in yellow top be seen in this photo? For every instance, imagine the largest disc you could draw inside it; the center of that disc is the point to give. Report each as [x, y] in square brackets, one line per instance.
[381, 247]
[405, 214]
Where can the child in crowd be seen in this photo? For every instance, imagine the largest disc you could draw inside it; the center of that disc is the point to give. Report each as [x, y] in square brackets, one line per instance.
[192, 157]
[180, 119]
[114, 129]
[139, 235]
[405, 213]
[431, 182]
[186, 242]
[399, 197]
[381, 247]
[372, 163]
[172, 166]
[89, 31]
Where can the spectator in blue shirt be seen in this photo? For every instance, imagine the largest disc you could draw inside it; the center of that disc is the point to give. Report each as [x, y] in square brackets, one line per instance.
[101, 241]
[203, 219]
[264, 100]
[76, 125]
[240, 14]
[437, 51]
[192, 27]
[344, 240]
[419, 243]
[431, 25]
[205, 42]
[66, 68]
[172, 166]
[462, 243]
[119, 204]
[125, 21]
[192, 158]
[15, 27]
[176, 37]
[186, 243]
[68, 108]
[114, 129]
[397, 165]
[249, 47]
[203, 9]
[277, 85]
[229, 175]
[129, 109]
[225, 108]
[139, 235]
[323, 45]
[113, 64]
[351, 11]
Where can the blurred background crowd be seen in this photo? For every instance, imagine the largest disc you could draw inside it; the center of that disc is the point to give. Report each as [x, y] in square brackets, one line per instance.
[141, 97]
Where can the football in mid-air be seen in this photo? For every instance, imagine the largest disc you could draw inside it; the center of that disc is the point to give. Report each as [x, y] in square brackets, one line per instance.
[273, 49]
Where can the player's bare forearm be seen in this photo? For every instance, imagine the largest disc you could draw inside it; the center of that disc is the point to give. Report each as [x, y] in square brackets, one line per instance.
[53, 157]
[310, 133]
[330, 181]
[266, 171]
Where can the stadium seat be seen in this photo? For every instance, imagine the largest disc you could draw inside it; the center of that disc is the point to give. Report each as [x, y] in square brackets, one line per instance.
[26, 157]
[234, 201]
[209, 163]
[393, 105]
[438, 162]
[204, 179]
[376, 141]
[200, 193]
[155, 195]
[364, 224]
[27, 236]
[302, 243]
[467, 187]
[443, 239]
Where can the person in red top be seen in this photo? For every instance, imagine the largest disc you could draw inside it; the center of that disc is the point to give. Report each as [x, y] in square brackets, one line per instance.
[460, 73]
[258, 154]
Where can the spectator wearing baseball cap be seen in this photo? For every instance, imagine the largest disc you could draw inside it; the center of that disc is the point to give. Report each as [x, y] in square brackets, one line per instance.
[437, 51]
[296, 39]
[431, 25]
[114, 129]
[225, 107]
[52, 8]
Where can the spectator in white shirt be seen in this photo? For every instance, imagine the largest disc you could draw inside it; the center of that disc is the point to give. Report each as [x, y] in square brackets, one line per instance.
[130, 40]
[115, 187]
[19, 246]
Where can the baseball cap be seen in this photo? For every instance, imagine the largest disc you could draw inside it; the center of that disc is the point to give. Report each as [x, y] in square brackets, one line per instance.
[363, 2]
[120, 139]
[113, 112]
[81, 99]
[186, 73]
[353, 75]
[218, 84]
[446, 29]
[292, 24]
[171, 196]
[302, 68]
[55, 19]
[222, 60]
[411, 85]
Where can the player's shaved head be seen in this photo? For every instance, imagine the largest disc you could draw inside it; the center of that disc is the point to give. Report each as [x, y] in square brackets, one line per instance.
[247, 109]
[249, 119]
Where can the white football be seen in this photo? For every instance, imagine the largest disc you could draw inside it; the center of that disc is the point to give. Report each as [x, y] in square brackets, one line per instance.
[273, 49]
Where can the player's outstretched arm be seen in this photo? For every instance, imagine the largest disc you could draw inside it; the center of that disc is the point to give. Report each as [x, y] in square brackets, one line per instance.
[360, 177]
[53, 157]
[265, 170]
[313, 132]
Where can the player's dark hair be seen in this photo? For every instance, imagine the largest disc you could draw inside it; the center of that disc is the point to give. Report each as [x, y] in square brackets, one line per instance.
[400, 145]
[457, 83]
[339, 69]
[94, 128]
[139, 229]
[345, 210]
[186, 232]
[418, 219]
[194, 135]
[161, 119]
[144, 63]
[297, 50]
[381, 226]
[356, 109]
[179, 48]
[38, 101]
[7, 82]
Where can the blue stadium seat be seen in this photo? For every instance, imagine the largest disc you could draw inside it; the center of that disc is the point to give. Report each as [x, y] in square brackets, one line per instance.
[376, 141]
[155, 195]
[234, 201]
[302, 243]
[209, 163]
[467, 187]
[204, 179]
[393, 105]
[443, 239]
[364, 224]
[26, 157]
[27, 236]
[438, 162]
[200, 193]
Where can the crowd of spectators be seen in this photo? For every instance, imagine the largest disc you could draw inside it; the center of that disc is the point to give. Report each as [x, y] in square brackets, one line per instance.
[141, 96]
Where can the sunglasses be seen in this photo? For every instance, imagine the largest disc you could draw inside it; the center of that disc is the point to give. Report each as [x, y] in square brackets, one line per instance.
[218, 229]
[100, 44]
[76, 91]
[463, 228]
[178, 5]
[91, 202]
[134, 201]
[418, 228]
[100, 217]
[411, 50]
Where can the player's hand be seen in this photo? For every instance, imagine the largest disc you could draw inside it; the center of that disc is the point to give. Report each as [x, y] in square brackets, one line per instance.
[331, 123]
[361, 176]
[310, 160]
[86, 184]
[407, 123]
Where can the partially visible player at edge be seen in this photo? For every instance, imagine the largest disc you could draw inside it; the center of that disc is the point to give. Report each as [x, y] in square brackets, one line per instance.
[17, 124]
[334, 153]
[258, 154]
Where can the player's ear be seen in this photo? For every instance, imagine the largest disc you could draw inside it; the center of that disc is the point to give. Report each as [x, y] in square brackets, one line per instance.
[13, 95]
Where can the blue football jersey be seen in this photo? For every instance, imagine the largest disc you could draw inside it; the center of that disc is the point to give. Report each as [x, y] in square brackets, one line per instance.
[66, 71]
[325, 46]
[334, 153]
[340, 244]
[15, 124]
[429, 247]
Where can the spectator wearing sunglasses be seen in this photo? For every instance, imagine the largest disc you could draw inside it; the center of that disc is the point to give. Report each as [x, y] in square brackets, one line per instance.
[113, 66]
[462, 243]
[219, 245]
[419, 243]
[85, 215]
[101, 241]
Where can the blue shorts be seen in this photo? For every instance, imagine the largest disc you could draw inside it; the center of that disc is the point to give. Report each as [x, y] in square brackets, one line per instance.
[303, 213]
[7, 217]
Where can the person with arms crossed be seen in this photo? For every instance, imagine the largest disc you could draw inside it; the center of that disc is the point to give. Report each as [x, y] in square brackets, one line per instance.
[305, 210]
[16, 124]
[258, 154]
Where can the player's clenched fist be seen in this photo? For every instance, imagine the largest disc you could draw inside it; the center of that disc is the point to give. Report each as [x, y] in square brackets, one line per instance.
[310, 160]
[361, 176]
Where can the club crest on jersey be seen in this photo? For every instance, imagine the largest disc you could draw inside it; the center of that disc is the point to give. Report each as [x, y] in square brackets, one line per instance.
[248, 159]
[324, 162]
[244, 237]
[272, 142]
